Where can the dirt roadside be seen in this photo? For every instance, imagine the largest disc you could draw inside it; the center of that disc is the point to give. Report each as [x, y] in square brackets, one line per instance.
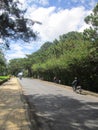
[13, 108]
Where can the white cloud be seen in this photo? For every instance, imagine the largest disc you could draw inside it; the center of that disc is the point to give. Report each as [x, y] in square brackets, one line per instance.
[1, 41]
[57, 22]
[20, 50]
[15, 52]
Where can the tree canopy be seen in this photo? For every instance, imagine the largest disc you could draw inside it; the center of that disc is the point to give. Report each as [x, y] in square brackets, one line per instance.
[13, 24]
[92, 20]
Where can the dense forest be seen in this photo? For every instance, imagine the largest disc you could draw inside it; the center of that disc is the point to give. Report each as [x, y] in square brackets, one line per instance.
[74, 54]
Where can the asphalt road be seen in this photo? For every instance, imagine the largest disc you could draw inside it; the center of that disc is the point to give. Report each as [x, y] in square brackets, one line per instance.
[59, 108]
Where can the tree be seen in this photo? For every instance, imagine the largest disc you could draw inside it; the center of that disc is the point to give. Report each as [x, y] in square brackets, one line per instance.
[2, 63]
[92, 19]
[15, 66]
[20, 65]
[13, 24]
[27, 64]
[46, 45]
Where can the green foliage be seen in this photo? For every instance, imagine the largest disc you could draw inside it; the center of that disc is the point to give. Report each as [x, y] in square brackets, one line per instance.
[3, 69]
[20, 65]
[70, 57]
[92, 33]
[45, 46]
[13, 24]
[3, 79]
[15, 66]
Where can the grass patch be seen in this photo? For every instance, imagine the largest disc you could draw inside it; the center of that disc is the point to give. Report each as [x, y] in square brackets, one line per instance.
[3, 78]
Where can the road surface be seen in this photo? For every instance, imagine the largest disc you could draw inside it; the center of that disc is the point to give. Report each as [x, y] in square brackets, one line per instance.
[57, 107]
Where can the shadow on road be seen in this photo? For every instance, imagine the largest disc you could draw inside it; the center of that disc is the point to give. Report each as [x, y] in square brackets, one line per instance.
[63, 113]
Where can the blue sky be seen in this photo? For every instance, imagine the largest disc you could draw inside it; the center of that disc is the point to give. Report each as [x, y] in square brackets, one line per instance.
[88, 4]
[57, 16]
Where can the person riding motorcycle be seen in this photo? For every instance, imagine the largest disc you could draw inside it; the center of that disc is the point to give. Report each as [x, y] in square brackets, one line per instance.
[75, 83]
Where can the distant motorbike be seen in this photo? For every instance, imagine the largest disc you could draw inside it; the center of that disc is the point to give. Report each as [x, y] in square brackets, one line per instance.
[20, 77]
[78, 89]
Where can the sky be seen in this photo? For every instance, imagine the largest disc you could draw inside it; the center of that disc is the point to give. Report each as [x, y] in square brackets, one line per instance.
[57, 17]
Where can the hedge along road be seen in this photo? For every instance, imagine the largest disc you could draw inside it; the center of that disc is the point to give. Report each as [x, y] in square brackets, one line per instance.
[59, 108]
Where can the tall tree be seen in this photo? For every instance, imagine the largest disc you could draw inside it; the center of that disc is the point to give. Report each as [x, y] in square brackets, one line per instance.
[92, 19]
